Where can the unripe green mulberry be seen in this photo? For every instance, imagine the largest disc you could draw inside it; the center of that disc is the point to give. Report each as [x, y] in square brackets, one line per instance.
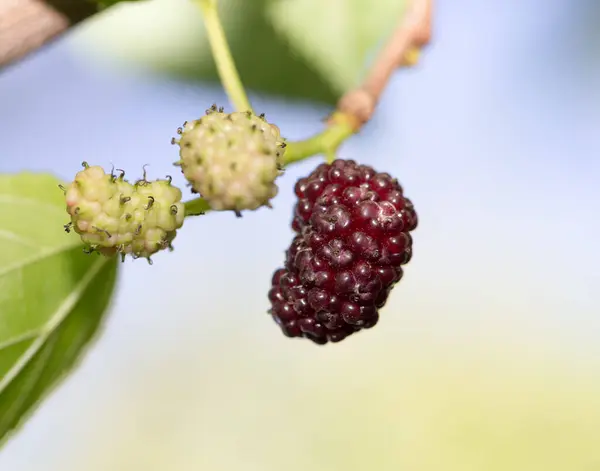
[113, 216]
[231, 159]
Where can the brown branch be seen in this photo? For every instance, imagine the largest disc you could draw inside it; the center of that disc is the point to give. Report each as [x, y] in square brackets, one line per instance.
[412, 34]
[26, 25]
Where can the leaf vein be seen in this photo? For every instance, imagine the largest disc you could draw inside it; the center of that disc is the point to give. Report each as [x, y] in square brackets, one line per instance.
[26, 389]
[62, 313]
[37, 257]
[9, 235]
[19, 338]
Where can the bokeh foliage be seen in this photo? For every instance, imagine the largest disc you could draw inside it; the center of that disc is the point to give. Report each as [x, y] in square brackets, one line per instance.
[307, 49]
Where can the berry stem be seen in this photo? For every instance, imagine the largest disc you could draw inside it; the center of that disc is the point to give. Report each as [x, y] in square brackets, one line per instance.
[354, 109]
[339, 129]
[226, 68]
[196, 207]
[357, 106]
[402, 50]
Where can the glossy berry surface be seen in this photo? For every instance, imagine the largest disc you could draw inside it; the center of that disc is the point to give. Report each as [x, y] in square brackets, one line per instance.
[352, 238]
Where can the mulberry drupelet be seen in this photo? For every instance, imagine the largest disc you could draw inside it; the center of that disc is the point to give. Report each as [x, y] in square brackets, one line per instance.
[352, 238]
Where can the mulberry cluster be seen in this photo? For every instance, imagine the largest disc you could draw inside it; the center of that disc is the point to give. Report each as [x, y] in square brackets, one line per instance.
[114, 216]
[231, 159]
[352, 238]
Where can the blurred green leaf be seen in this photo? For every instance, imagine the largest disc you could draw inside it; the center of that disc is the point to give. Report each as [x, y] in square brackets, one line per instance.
[309, 49]
[168, 36]
[336, 36]
[52, 296]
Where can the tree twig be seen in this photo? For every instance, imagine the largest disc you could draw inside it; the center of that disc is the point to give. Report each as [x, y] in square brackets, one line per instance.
[412, 34]
[357, 106]
[26, 25]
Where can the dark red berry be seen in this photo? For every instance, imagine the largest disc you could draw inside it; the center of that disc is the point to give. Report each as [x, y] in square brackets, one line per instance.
[352, 238]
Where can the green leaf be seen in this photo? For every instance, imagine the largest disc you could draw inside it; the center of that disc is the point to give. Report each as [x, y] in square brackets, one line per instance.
[336, 36]
[311, 49]
[52, 296]
[168, 36]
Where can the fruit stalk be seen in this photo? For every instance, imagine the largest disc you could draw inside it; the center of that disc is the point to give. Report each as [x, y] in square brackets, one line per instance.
[326, 142]
[356, 107]
[412, 34]
[226, 68]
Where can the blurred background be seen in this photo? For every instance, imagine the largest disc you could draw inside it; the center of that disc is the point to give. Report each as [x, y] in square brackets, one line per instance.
[487, 356]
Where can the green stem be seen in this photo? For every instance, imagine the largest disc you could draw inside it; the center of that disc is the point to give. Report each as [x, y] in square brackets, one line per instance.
[222, 55]
[340, 126]
[325, 143]
[196, 207]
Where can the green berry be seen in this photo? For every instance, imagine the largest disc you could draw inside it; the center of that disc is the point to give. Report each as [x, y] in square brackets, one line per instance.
[114, 216]
[231, 159]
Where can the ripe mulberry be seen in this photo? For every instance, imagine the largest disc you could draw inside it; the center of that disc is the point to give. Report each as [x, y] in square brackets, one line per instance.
[352, 238]
[114, 216]
[231, 159]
